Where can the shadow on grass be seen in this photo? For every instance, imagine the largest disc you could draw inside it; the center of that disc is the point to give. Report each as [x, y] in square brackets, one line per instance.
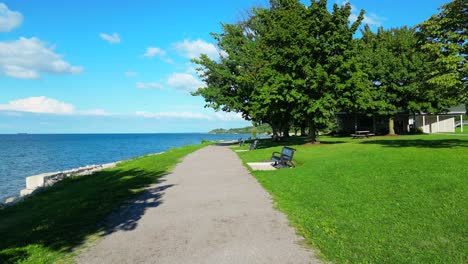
[291, 141]
[13, 255]
[420, 143]
[62, 217]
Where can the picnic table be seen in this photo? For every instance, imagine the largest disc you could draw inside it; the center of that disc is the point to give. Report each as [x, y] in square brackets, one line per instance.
[362, 134]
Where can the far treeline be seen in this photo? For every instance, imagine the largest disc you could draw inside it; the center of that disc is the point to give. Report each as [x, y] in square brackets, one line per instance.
[293, 66]
[261, 129]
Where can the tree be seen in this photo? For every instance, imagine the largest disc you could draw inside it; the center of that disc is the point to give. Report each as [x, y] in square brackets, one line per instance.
[286, 65]
[330, 72]
[255, 77]
[396, 67]
[445, 39]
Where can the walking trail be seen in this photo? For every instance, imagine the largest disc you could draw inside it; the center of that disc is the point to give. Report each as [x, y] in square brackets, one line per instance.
[208, 210]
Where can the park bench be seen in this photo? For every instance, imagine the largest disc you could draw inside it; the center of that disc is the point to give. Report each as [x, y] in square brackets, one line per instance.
[283, 159]
[241, 141]
[253, 145]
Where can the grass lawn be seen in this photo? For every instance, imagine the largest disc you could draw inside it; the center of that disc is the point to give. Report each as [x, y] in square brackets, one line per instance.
[400, 199]
[46, 227]
[458, 130]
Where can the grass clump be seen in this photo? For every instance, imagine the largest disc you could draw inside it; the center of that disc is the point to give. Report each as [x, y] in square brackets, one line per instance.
[48, 226]
[381, 200]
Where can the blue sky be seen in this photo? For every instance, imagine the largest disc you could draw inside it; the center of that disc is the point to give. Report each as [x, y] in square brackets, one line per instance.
[124, 66]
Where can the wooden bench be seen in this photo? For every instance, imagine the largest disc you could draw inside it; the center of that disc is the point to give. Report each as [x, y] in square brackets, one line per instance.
[283, 159]
[253, 145]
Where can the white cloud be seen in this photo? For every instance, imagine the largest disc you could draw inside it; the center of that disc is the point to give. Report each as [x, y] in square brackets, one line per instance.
[184, 81]
[9, 19]
[130, 74]
[114, 38]
[228, 116]
[191, 70]
[181, 115]
[27, 58]
[40, 104]
[193, 49]
[371, 19]
[168, 60]
[150, 85]
[152, 51]
[44, 105]
[218, 116]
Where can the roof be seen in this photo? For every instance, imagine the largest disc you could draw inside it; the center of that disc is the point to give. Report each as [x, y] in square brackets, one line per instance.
[459, 109]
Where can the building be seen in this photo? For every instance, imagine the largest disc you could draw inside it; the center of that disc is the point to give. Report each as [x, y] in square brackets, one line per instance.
[403, 123]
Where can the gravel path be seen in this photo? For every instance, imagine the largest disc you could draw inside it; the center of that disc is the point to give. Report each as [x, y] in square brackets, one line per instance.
[208, 210]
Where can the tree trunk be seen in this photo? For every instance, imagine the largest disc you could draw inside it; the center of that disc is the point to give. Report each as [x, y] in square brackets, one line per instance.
[391, 126]
[276, 132]
[286, 131]
[312, 132]
[303, 130]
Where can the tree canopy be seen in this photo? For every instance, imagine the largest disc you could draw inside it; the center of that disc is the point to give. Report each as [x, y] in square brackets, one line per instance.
[289, 64]
[445, 39]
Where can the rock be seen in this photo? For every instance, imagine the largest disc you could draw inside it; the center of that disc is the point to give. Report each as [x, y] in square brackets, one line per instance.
[25, 192]
[11, 199]
[48, 179]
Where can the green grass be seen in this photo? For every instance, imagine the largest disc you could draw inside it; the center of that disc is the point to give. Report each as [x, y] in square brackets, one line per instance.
[48, 226]
[458, 130]
[397, 199]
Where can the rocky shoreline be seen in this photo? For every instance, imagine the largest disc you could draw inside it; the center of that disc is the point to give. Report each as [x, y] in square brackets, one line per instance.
[37, 182]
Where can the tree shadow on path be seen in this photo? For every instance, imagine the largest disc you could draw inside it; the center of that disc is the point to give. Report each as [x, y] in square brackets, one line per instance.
[127, 216]
[60, 218]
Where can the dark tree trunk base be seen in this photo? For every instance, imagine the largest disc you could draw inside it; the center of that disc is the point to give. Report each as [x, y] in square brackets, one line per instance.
[313, 142]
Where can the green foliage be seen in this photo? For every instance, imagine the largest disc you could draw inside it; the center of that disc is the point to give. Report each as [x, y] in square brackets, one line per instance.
[51, 224]
[381, 200]
[396, 66]
[445, 39]
[291, 65]
[262, 129]
[284, 65]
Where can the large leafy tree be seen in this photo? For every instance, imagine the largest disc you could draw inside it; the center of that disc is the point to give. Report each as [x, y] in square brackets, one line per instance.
[248, 79]
[287, 64]
[396, 67]
[445, 41]
[332, 78]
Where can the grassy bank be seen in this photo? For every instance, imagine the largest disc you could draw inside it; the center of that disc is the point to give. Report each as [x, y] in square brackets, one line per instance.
[382, 200]
[48, 226]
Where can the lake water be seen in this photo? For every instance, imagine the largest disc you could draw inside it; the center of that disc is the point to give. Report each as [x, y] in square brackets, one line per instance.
[26, 155]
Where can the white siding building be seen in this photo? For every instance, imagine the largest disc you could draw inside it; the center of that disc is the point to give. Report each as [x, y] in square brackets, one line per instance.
[439, 123]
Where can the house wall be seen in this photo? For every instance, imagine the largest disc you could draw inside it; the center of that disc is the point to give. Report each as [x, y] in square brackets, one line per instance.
[446, 124]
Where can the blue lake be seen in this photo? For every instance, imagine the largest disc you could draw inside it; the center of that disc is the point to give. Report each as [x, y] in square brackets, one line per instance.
[26, 155]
